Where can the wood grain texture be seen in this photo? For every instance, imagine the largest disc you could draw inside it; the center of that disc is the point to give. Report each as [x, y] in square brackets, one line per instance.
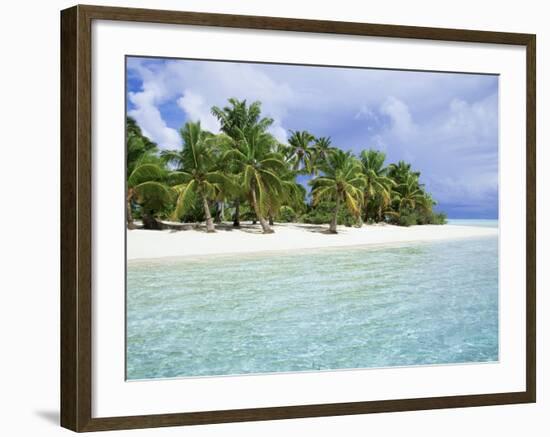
[76, 217]
[68, 347]
[303, 411]
[302, 25]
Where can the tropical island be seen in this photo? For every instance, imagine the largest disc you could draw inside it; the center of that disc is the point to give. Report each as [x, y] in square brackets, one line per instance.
[244, 179]
[246, 174]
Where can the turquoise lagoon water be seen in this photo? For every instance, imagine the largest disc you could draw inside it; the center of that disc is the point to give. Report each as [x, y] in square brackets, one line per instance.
[486, 223]
[413, 304]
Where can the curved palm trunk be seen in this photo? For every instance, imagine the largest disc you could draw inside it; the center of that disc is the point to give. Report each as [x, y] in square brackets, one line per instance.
[237, 216]
[209, 222]
[150, 222]
[265, 226]
[334, 221]
[366, 204]
[129, 219]
[218, 215]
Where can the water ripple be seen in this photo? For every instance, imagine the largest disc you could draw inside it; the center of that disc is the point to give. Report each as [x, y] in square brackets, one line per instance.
[431, 303]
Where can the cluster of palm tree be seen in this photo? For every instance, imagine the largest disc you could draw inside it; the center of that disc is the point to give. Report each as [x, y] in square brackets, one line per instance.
[246, 171]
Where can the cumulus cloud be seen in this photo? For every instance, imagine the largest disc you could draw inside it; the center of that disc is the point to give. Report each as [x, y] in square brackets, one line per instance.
[455, 146]
[477, 121]
[402, 125]
[150, 120]
[196, 87]
[278, 131]
[197, 109]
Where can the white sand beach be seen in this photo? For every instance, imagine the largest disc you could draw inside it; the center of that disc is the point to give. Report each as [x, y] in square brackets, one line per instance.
[147, 244]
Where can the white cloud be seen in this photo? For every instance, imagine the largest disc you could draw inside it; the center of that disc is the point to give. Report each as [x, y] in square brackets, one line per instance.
[197, 86]
[365, 113]
[477, 121]
[278, 131]
[150, 120]
[454, 146]
[402, 124]
[197, 109]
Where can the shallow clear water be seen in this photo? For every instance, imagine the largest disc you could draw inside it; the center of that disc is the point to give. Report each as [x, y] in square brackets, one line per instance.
[486, 223]
[415, 304]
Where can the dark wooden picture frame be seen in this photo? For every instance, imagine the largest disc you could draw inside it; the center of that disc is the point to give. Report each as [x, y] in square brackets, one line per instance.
[76, 217]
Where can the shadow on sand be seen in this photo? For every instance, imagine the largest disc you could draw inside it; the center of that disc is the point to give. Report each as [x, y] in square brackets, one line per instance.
[249, 228]
[317, 229]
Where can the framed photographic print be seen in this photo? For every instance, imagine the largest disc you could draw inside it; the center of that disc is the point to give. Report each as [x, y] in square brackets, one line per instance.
[268, 218]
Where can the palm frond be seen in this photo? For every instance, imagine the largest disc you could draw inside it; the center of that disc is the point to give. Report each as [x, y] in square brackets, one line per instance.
[145, 172]
[186, 195]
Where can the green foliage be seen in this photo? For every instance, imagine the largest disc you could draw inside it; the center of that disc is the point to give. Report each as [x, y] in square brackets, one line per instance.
[137, 145]
[439, 218]
[411, 217]
[323, 148]
[287, 214]
[238, 117]
[245, 165]
[379, 188]
[341, 182]
[258, 170]
[407, 217]
[147, 191]
[198, 178]
[432, 218]
[193, 214]
[250, 154]
[301, 151]
[323, 212]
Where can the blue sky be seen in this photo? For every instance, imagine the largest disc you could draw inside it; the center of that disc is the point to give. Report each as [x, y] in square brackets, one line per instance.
[444, 124]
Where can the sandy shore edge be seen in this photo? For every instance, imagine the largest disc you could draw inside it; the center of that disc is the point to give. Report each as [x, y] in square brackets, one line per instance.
[145, 244]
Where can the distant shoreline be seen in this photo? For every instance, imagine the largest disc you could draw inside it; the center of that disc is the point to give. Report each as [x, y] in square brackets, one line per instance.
[147, 244]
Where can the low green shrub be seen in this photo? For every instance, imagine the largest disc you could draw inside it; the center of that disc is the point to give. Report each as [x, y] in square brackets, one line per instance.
[411, 217]
[322, 213]
[407, 218]
[287, 214]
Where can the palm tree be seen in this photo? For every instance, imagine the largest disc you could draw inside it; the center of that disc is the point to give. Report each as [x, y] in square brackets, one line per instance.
[197, 175]
[237, 119]
[378, 186]
[341, 182]
[257, 168]
[146, 185]
[137, 144]
[322, 148]
[239, 116]
[400, 171]
[145, 174]
[292, 195]
[410, 193]
[301, 151]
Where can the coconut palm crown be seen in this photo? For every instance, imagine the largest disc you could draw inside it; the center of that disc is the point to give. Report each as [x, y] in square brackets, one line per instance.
[197, 174]
[257, 168]
[146, 186]
[341, 182]
[378, 186]
[301, 151]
